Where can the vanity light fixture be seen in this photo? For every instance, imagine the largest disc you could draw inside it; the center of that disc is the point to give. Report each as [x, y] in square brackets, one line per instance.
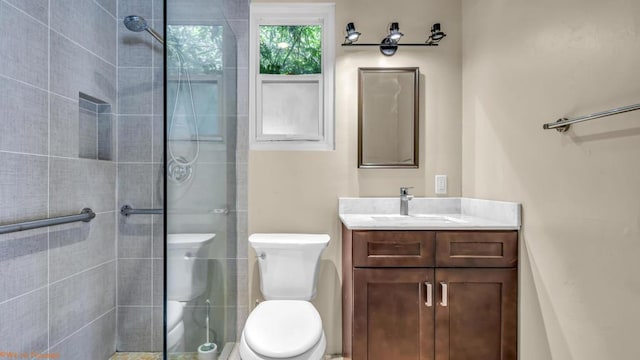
[389, 44]
[352, 34]
[436, 34]
[394, 32]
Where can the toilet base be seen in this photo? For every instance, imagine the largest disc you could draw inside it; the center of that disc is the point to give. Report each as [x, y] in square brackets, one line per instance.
[175, 339]
[175, 326]
[315, 353]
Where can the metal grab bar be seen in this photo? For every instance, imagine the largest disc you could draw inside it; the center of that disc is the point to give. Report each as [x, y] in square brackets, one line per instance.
[563, 124]
[221, 211]
[127, 210]
[85, 215]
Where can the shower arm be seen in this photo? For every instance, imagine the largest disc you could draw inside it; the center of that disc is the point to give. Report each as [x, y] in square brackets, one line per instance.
[155, 35]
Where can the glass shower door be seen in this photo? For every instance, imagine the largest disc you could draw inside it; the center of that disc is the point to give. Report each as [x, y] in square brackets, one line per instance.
[200, 180]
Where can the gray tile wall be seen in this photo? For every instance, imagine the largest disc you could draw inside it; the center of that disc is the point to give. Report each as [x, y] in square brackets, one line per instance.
[140, 166]
[58, 284]
[140, 170]
[237, 13]
[49, 56]
[96, 341]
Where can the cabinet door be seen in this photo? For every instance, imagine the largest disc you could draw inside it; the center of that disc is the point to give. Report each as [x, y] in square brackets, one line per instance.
[393, 248]
[490, 249]
[393, 314]
[476, 314]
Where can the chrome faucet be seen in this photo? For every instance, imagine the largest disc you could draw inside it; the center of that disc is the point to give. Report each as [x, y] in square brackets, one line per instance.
[404, 200]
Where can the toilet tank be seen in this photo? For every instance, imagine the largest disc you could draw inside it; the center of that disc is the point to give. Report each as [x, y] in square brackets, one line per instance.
[187, 265]
[289, 264]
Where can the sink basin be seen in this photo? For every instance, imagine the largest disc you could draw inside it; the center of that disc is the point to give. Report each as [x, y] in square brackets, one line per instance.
[418, 218]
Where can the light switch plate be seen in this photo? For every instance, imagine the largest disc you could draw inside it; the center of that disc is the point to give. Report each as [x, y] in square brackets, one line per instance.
[441, 184]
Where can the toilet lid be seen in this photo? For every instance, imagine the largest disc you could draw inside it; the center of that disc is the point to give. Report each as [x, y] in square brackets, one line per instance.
[174, 314]
[283, 328]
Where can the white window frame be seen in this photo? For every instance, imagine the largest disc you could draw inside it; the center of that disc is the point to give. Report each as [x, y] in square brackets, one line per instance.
[293, 14]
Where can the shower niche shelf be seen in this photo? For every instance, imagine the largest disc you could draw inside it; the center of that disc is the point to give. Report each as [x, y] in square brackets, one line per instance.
[95, 128]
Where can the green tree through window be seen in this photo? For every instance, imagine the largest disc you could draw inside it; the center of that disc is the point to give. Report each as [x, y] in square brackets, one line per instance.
[290, 49]
[200, 46]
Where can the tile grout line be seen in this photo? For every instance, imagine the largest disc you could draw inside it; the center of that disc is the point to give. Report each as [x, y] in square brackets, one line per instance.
[49, 176]
[84, 48]
[106, 212]
[4, 76]
[82, 328]
[117, 162]
[51, 92]
[107, 11]
[61, 157]
[23, 294]
[137, 115]
[29, 15]
[97, 134]
[82, 272]
[162, 169]
[152, 197]
[139, 66]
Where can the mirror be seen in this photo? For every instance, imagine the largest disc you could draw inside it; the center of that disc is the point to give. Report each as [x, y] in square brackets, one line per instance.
[388, 117]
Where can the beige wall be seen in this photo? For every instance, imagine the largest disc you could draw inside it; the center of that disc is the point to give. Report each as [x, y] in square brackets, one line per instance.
[524, 63]
[298, 191]
[530, 62]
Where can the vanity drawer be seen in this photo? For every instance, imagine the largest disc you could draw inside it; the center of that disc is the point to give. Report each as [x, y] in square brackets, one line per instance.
[393, 248]
[477, 249]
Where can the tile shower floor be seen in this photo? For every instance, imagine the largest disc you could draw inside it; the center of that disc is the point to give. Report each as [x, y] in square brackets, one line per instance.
[151, 356]
[194, 356]
[136, 356]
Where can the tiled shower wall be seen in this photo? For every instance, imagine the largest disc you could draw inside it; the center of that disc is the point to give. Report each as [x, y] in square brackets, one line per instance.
[140, 177]
[219, 179]
[57, 284]
[65, 289]
[238, 19]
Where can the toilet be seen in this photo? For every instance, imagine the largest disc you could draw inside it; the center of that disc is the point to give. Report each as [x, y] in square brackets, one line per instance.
[286, 326]
[186, 280]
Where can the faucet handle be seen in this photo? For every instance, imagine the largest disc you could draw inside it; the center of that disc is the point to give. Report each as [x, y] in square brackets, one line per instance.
[405, 190]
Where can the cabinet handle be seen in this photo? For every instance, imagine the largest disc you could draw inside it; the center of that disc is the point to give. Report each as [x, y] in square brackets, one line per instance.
[445, 294]
[429, 301]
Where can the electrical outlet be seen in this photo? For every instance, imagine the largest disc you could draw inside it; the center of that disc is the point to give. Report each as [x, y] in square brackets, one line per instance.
[441, 184]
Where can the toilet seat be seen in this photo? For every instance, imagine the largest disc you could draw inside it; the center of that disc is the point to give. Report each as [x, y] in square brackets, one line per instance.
[315, 353]
[283, 329]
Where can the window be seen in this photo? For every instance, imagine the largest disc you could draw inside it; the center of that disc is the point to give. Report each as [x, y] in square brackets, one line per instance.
[194, 83]
[291, 76]
[290, 49]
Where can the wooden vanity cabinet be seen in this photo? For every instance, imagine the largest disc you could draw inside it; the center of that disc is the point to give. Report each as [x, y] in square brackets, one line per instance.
[427, 295]
[390, 318]
[480, 319]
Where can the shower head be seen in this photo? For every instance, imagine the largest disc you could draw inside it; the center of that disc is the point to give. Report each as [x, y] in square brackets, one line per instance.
[137, 23]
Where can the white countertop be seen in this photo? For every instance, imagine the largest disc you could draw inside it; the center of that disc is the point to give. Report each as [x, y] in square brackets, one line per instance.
[429, 214]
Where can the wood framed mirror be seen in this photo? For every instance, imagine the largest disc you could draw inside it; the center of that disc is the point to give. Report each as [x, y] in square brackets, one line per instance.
[388, 110]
